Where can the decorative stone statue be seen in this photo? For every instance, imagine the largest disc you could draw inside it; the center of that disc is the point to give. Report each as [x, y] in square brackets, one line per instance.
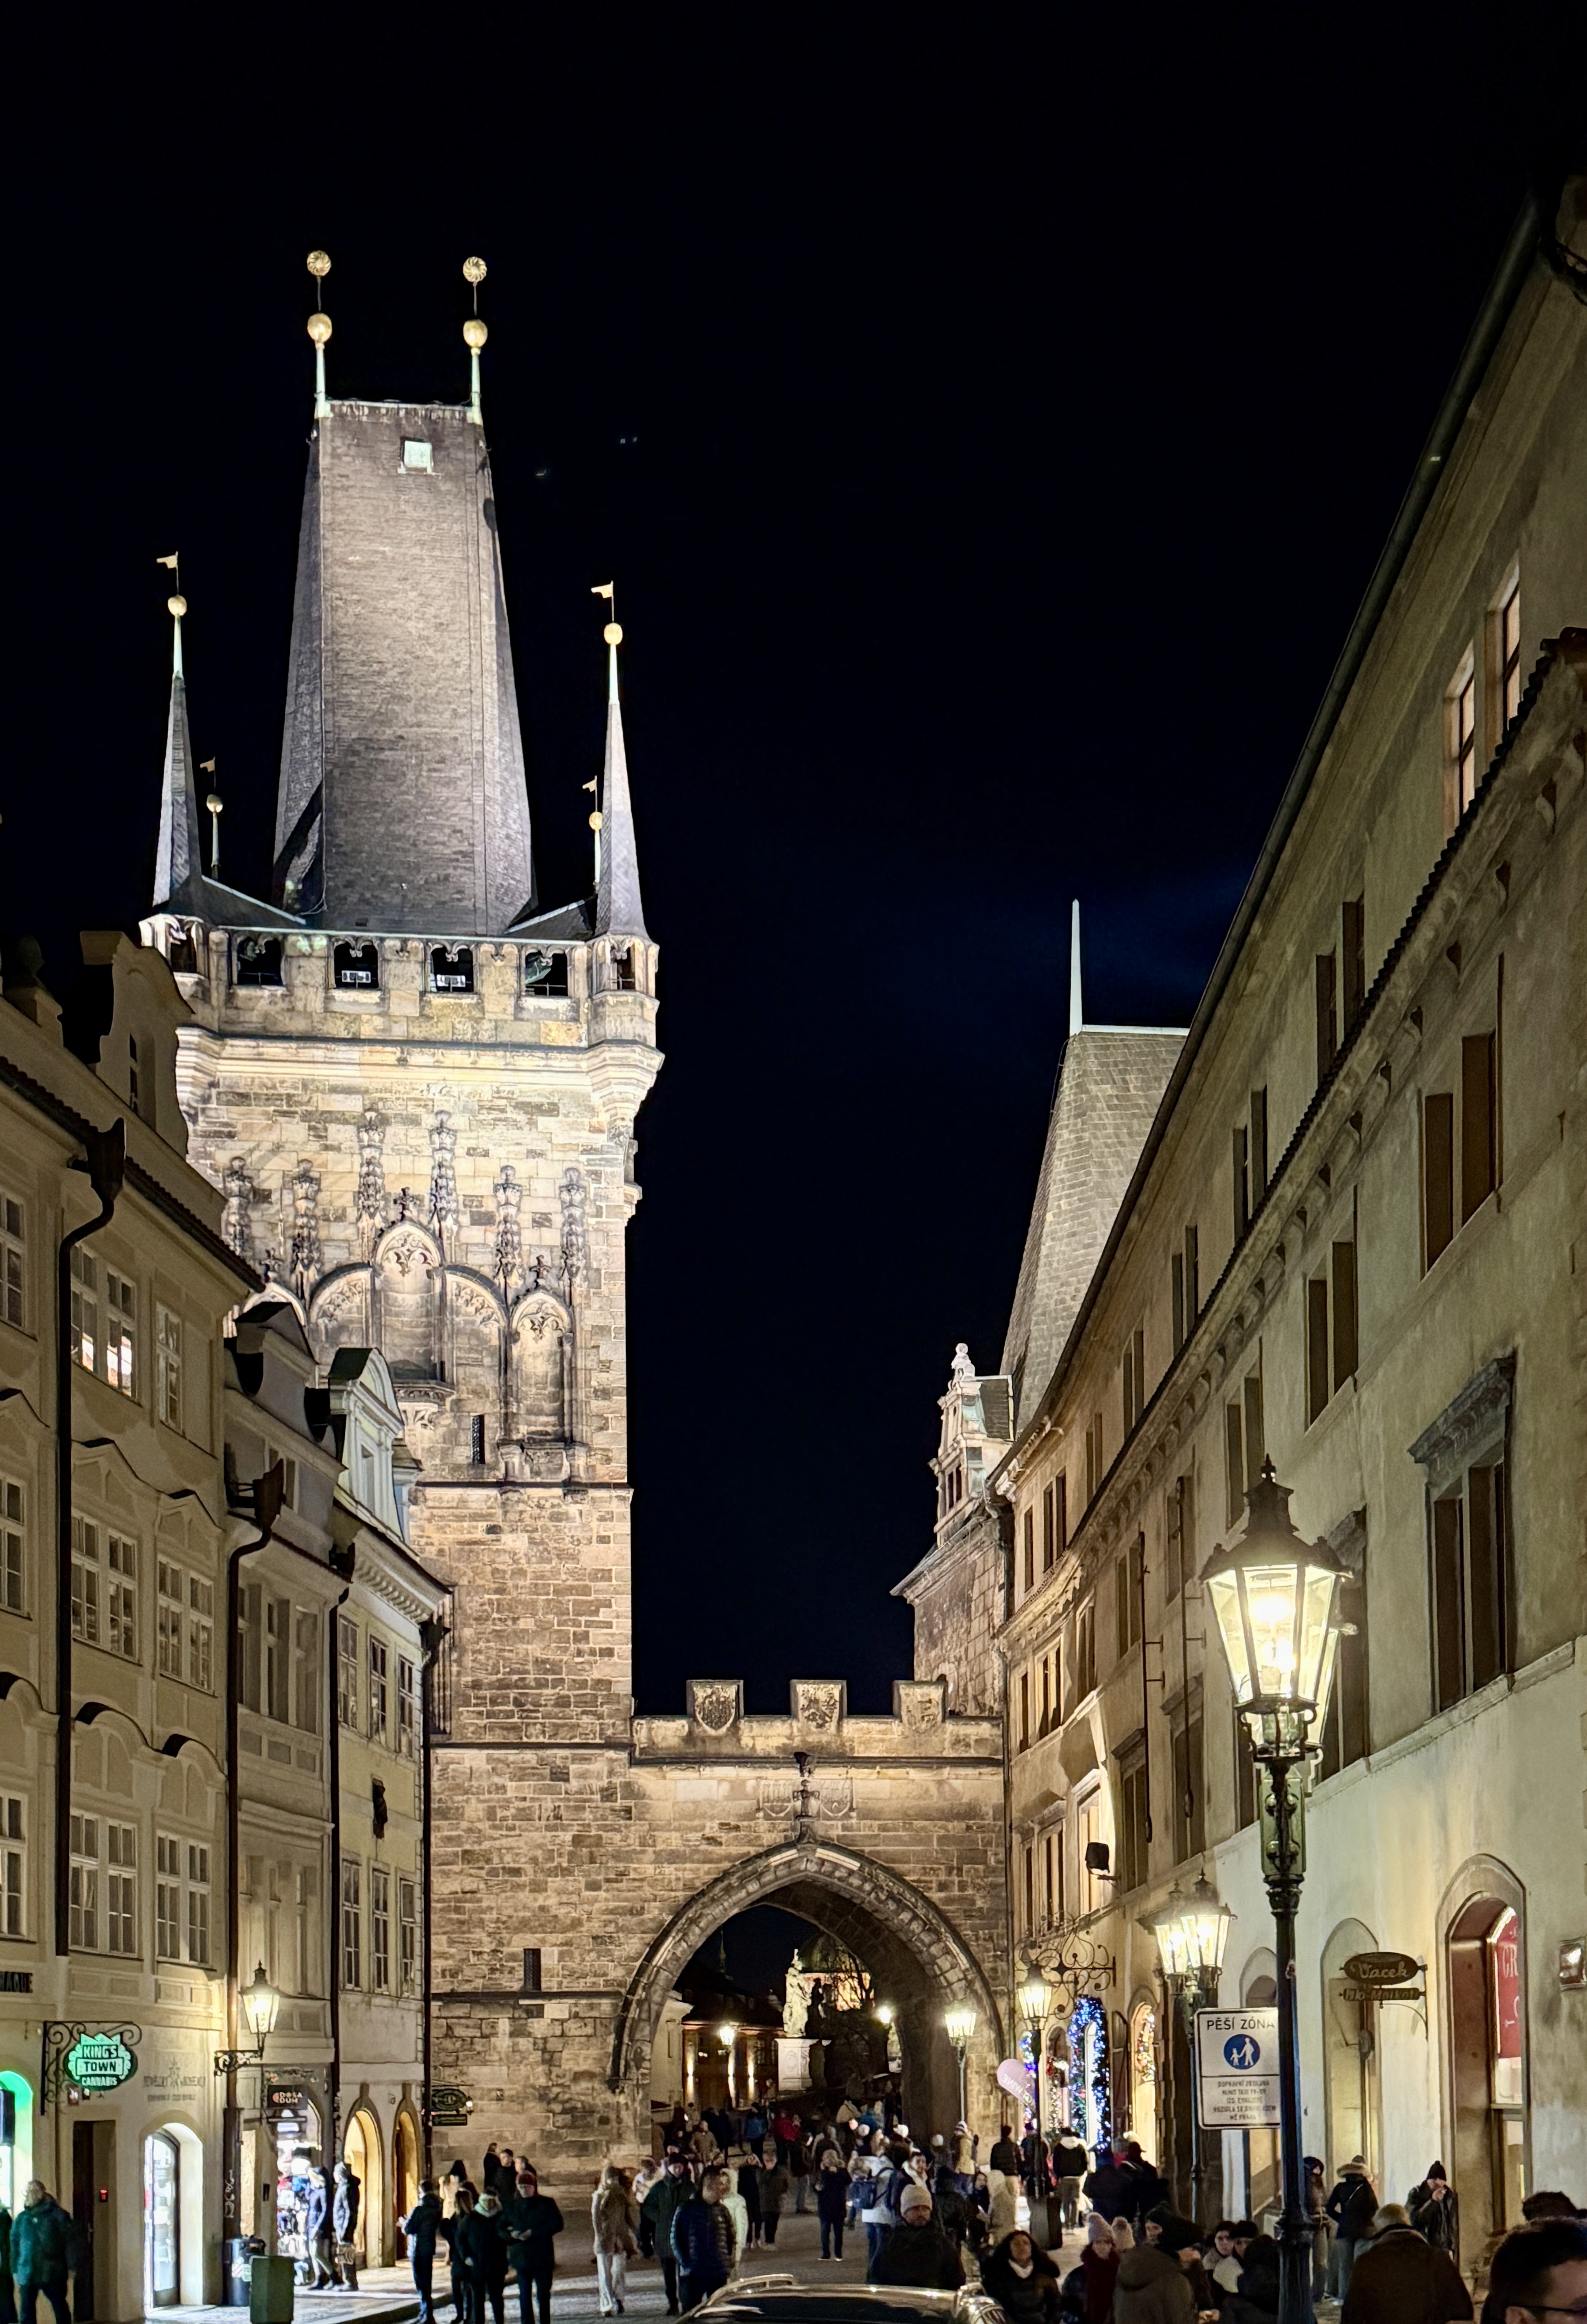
[794, 2009]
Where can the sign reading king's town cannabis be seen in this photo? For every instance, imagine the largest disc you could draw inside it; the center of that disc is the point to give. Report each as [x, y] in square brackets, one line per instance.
[99, 2062]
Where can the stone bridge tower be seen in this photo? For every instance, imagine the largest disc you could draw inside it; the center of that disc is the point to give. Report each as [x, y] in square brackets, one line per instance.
[418, 1092]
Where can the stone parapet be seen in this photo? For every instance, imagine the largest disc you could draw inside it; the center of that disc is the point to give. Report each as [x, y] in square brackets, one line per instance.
[716, 1727]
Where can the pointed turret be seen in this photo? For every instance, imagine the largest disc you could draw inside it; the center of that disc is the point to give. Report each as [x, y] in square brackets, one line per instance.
[618, 909]
[178, 865]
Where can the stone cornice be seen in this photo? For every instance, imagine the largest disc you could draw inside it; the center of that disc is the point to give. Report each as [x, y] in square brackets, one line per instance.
[1473, 1422]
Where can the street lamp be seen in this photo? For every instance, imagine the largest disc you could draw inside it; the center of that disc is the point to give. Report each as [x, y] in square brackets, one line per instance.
[1275, 1599]
[1036, 2000]
[959, 2025]
[258, 2004]
[1191, 1932]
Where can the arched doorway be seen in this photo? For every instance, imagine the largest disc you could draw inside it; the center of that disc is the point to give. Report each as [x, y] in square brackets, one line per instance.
[1143, 2077]
[1486, 2040]
[404, 2176]
[163, 2277]
[361, 2151]
[1258, 1990]
[1350, 2054]
[917, 1958]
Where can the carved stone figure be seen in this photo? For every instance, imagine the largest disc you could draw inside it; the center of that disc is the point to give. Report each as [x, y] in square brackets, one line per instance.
[370, 1199]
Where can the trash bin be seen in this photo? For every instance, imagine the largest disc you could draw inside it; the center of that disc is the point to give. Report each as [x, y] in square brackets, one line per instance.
[240, 2254]
[269, 2289]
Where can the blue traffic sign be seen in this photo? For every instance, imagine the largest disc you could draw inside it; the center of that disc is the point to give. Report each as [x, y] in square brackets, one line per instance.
[1242, 2052]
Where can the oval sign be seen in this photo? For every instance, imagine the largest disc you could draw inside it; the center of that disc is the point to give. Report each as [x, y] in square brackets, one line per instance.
[1382, 1969]
[1014, 2076]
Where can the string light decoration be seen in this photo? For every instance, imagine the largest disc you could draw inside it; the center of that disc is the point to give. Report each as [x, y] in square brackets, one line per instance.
[1088, 2071]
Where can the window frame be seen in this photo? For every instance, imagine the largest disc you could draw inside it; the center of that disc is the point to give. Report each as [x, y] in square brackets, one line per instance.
[13, 1864]
[14, 1259]
[13, 1546]
[168, 1367]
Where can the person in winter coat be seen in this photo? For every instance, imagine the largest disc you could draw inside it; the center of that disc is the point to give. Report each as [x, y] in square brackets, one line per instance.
[1350, 2205]
[775, 2183]
[1022, 2280]
[702, 2242]
[454, 2235]
[952, 2211]
[487, 2257]
[1257, 2300]
[614, 2232]
[1108, 2188]
[1435, 2212]
[1152, 2288]
[1098, 2270]
[1314, 2195]
[345, 2194]
[422, 2227]
[750, 2172]
[38, 2237]
[1070, 2166]
[1005, 2154]
[530, 2223]
[1003, 2215]
[671, 2190]
[832, 2198]
[917, 2252]
[7, 2291]
[1398, 2278]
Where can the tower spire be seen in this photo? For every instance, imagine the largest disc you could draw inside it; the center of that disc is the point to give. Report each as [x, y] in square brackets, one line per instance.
[177, 861]
[474, 336]
[618, 909]
[320, 332]
[1077, 1007]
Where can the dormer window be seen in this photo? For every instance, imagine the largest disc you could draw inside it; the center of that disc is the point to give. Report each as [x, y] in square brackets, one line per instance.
[257, 961]
[357, 967]
[451, 968]
[419, 456]
[545, 975]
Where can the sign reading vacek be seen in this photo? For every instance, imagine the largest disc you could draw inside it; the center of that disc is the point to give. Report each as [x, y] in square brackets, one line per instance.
[1237, 2068]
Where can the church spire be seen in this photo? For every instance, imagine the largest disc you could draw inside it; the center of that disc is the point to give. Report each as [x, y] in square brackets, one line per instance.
[1076, 1005]
[178, 863]
[618, 909]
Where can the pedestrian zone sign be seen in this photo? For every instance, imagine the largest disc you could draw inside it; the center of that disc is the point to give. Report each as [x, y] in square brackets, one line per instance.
[1237, 2068]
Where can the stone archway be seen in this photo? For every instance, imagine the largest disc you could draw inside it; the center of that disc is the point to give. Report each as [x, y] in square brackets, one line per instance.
[916, 1956]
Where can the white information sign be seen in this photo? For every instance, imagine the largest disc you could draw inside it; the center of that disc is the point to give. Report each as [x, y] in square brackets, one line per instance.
[1237, 2068]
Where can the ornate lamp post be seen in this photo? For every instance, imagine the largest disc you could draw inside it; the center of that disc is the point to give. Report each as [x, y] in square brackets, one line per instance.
[1036, 2002]
[959, 2025]
[258, 2003]
[1191, 1932]
[1275, 1599]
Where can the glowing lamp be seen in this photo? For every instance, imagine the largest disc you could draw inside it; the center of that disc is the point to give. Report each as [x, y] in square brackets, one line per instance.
[260, 2002]
[1274, 1598]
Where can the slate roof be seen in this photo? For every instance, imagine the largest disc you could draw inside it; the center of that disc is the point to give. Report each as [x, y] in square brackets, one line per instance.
[1111, 1081]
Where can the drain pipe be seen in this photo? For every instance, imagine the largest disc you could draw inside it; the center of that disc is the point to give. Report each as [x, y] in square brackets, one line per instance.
[432, 1633]
[268, 1493]
[106, 1167]
[341, 1557]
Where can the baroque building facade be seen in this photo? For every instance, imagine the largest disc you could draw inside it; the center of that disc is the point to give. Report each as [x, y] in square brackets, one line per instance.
[1348, 1237]
[416, 1091]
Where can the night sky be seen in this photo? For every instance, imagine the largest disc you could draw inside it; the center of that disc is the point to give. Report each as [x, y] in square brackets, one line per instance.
[991, 426]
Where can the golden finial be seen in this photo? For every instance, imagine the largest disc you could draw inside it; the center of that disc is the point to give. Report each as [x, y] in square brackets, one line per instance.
[596, 820]
[613, 633]
[176, 606]
[319, 328]
[474, 271]
[318, 264]
[475, 334]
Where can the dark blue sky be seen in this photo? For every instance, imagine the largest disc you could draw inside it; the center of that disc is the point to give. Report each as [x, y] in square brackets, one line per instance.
[1016, 406]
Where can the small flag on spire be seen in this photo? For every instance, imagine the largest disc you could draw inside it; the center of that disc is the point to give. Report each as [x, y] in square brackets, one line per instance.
[206, 766]
[169, 562]
[603, 589]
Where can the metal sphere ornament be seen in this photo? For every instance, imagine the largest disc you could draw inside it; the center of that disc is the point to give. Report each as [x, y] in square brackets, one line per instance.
[475, 333]
[319, 328]
[596, 820]
[177, 605]
[474, 270]
[613, 633]
[318, 264]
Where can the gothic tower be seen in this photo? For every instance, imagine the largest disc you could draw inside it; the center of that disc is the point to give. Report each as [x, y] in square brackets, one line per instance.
[419, 1096]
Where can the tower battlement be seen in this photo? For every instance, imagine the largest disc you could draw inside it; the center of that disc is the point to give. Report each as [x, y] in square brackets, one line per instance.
[716, 1727]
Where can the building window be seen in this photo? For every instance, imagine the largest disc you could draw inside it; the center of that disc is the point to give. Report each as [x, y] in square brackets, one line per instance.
[278, 1659]
[1189, 1789]
[168, 1897]
[1031, 1549]
[1178, 1538]
[133, 1088]
[14, 1865]
[1332, 1334]
[407, 1934]
[1259, 1145]
[1024, 1711]
[169, 1619]
[84, 1894]
[408, 1707]
[1093, 1457]
[1245, 1776]
[1460, 712]
[451, 968]
[85, 1308]
[1185, 1285]
[1245, 1447]
[1352, 962]
[351, 1924]
[380, 1929]
[378, 1689]
[1084, 1665]
[1241, 1180]
[200, 1633]
[121, 1596]
[121, 1332]
[168, 1367]
[1327, 1011]
[257, 961]
[14, 1262]
[307, 1706]
[1049, 1895]
[1028, 1855]
[1047, 1695]
[85, 1581]
[545, 975]
[1478, 1155]
[346, 1671]
[356, 967]
[1471, 1592]
[104, 1322]
[121, 1888]
[1135, 1822]
[1128, 1580]
[1344, 1730]
[198, 1904]
[13, 1539]
[1132, 1373]
[1507, 639]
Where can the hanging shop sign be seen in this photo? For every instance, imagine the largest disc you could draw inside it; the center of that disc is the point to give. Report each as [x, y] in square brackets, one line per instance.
[449, 2107]
[1237, 2068]
[86, 2060]
[1382, 1977]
